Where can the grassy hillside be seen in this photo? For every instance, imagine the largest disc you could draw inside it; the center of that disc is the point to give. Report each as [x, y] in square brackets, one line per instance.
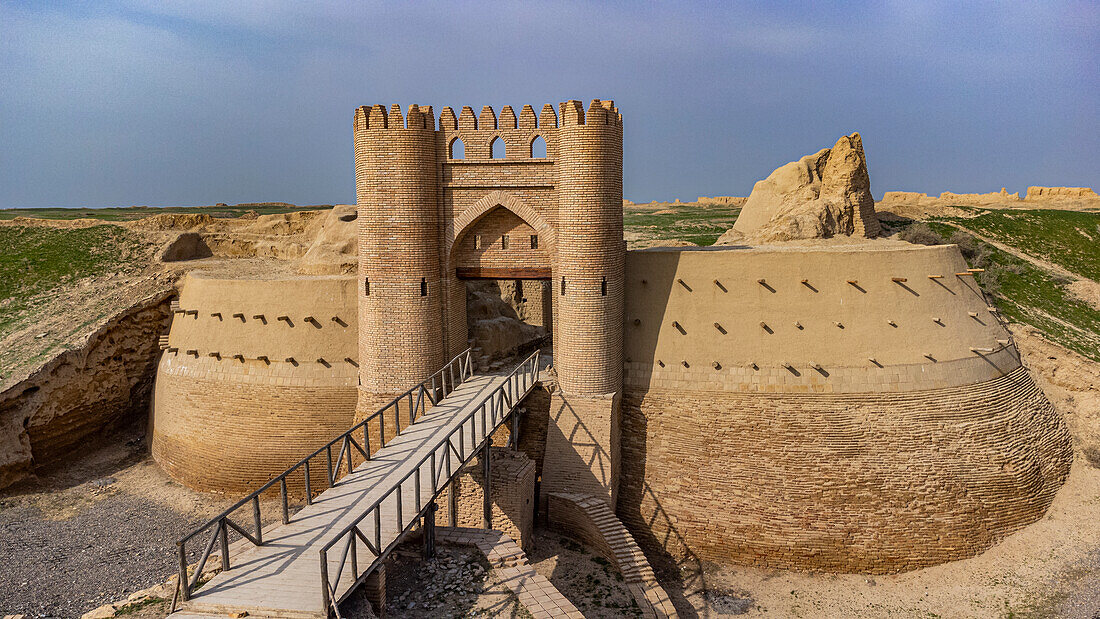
[37, 260]
[128, 213]
[1069, 239]
[1027, 294]
[700, 224]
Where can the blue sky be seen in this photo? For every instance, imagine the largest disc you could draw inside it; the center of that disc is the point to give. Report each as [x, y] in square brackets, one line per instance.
[206, 101]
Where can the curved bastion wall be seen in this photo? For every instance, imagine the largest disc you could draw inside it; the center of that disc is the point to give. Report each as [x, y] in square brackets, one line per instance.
[850, 407]
[257, 374]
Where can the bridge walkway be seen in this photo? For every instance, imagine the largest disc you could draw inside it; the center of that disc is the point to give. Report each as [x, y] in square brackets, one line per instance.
[371, 506]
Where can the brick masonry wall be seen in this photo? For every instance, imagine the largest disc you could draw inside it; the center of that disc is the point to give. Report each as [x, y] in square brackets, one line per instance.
[512, 492]
[419, 207]
[482, 247]
[230, 426]
[878, 483]
[582, 446]
[401, 293]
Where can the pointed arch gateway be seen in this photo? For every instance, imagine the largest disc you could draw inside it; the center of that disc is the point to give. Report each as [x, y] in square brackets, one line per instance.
[500, 237]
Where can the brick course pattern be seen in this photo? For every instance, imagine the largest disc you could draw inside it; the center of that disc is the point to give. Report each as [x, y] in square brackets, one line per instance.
[537, 595]
[589, 520]
[875, 482]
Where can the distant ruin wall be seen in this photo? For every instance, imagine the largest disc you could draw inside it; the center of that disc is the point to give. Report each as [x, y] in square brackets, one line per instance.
[1057, 193]
[723, 200]
[1000, 198]
[880, 316]
[258, 373]
[850, 483]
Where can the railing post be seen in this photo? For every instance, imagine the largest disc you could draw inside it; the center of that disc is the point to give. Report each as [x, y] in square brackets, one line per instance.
[256, 520]
[400, 521]
[366, 438]
[487, 513]
[224, 531]
[309, 492]
[283, 493]
[354, 558]
[328, 458]
[325, 600]
[452, 496]
[417, 487]
[429, 530]
[515, 428]
[378, 528]
[435, 479]
[185, 584]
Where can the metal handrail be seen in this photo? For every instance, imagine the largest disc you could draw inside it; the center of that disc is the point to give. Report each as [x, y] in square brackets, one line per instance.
[503, 400]
[433, 389]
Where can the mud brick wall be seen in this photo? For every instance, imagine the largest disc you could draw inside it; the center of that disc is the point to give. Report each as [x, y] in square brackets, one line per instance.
[880, 316]
[873, 482]
[257, 374]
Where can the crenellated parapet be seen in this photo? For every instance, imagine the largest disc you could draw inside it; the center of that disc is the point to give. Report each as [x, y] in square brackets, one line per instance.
[477, 130]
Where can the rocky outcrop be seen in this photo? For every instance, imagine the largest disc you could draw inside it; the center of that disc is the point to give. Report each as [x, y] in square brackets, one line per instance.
[819, 196]
[978, 199]
[107, 378]
[500, 321]
[1060, 193]
[334, 250]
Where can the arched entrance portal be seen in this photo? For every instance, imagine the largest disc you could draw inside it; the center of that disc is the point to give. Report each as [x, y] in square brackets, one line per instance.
[505, 266]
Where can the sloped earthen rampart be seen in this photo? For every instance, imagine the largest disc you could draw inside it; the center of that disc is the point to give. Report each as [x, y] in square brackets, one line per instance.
[257, 373]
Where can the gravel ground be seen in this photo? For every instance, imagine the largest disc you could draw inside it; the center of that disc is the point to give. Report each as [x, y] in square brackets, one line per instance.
[94, 531]
[63, 568]
[456, 583]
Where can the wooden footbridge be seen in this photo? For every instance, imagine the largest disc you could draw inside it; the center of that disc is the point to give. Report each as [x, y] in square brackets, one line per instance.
[312, 560]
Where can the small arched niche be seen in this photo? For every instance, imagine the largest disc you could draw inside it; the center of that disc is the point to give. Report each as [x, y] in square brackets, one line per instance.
[538, 148]
[456, 149]
[496, 148]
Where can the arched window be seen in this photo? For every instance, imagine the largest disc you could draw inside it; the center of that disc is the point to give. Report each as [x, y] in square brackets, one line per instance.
[497, 148]
[458, 149]
[538, 148]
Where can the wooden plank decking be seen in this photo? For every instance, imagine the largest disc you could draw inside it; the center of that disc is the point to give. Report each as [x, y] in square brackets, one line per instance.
[282, 577]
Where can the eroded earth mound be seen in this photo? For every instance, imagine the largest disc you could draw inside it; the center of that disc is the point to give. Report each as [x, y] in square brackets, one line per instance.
[821, 195]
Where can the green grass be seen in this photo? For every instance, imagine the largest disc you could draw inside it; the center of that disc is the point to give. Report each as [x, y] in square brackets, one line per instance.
[1027, 294]
[128, 213]
[133, 607]
[37, 259]
[1069, 239]
[701, 225]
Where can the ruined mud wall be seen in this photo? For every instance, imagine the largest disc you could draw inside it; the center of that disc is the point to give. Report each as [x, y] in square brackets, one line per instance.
[258, 373]
[104, 380]
[780, 410]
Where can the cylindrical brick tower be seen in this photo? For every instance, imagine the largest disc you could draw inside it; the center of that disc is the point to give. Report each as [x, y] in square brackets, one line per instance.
[397, 189]
[588, 277]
